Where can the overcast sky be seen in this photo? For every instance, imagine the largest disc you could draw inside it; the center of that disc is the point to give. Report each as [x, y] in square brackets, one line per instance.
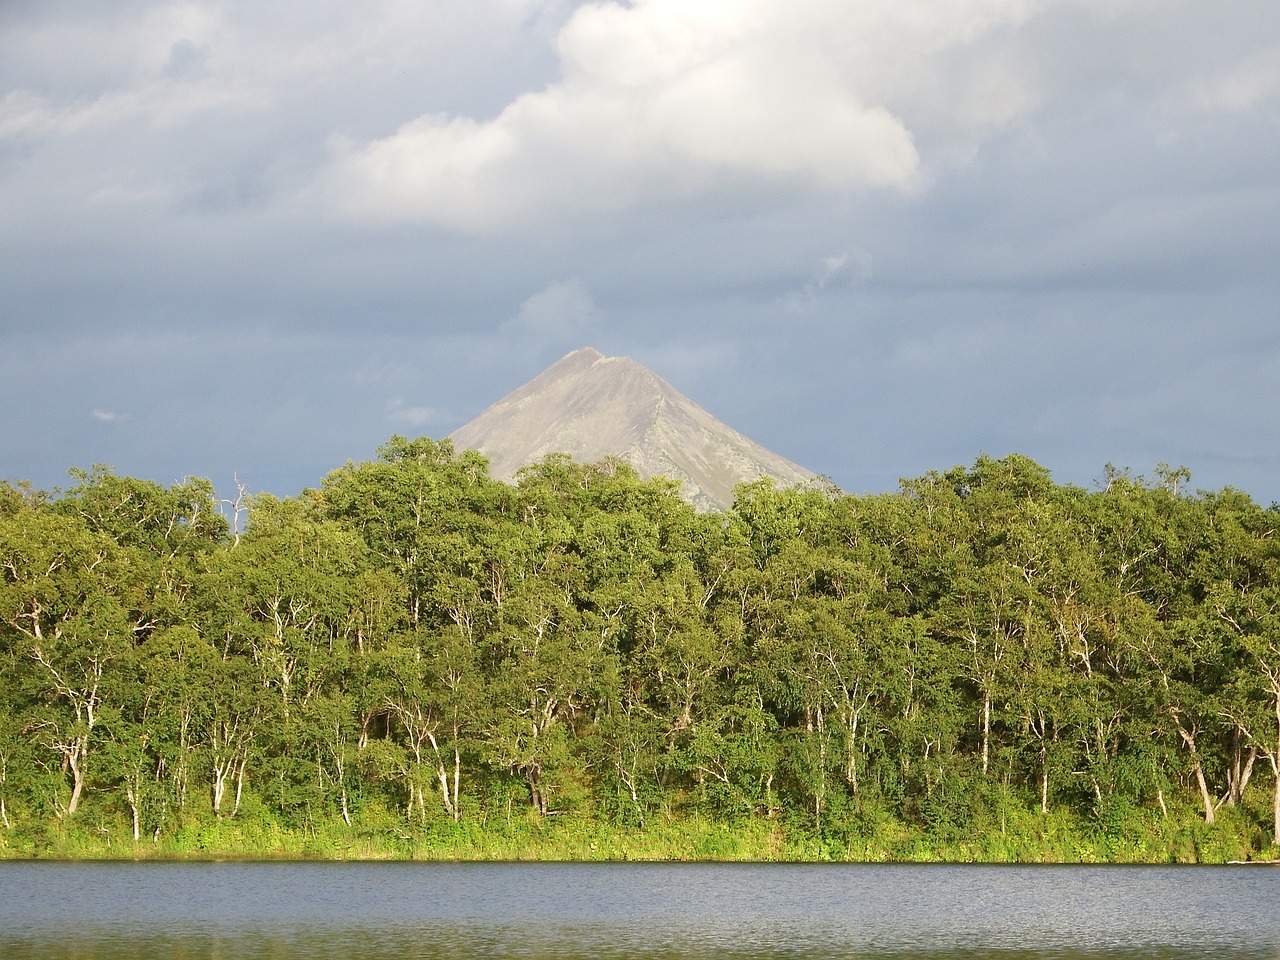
[879, 237]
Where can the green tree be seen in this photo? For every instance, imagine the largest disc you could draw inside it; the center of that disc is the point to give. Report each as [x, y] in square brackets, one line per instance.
[65, 600]
[1246, 598]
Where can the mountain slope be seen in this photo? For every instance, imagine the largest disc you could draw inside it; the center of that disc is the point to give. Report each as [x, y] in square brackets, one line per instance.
[592, 406]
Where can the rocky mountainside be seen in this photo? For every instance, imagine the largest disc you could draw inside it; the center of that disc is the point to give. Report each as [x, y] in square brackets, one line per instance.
[592, 406]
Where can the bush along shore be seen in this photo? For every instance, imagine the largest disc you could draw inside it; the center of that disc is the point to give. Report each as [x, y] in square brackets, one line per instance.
[1037, 839]
[413, 660]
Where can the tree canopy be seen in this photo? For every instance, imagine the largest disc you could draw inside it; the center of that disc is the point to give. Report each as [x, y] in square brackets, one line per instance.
[415, 642]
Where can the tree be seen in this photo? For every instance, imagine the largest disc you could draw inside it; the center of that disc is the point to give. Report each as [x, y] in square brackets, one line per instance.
[177, 695]
[433, 695]
[62, 599]
[1246, 599]
[405, 504]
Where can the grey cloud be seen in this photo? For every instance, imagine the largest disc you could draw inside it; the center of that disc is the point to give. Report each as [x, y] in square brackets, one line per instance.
[1080, 268]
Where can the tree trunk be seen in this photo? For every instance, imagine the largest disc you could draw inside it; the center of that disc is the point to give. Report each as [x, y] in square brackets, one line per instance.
[1275, 810]
[1205, 797]
[986, 730]
[1240, 772]
[1275, 771]
[77, 759]
[134, 811]
[244, 762]
[1044, 783]
[457, 778]
[217, 788]
[533, 776]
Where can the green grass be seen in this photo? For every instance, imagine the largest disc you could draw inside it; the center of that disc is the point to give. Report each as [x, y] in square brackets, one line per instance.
[1007, 834]
[689, 840]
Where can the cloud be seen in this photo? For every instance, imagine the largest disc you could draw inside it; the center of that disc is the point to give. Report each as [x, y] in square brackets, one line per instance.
[1240, 88]
[836, 270]
[400, 412]
[663, 100]
[109, 416]
[165, 103]
[564, 311]
[152, 68]
[694, 168]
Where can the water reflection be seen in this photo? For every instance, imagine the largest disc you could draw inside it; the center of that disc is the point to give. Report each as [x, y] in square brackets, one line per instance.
[663, 912]
[573, 944]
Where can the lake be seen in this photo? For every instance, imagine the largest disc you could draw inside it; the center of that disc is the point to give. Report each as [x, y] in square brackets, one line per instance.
[669, 911]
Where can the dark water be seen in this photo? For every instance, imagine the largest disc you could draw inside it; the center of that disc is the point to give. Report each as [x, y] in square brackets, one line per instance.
[675, 911]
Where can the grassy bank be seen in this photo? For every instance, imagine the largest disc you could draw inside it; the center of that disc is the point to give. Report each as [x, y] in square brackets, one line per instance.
[1024, 838]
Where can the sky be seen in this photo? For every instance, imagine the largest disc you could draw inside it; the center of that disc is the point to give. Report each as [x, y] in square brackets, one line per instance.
[252, 241]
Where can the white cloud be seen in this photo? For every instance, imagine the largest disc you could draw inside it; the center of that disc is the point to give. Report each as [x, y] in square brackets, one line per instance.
[109, 416]
[563, 311]
[400, 412]
[162, 103]
[153, 68]
[837, 270]
[166, 62]
[1239, 89]
[660, 100]
[651, 102]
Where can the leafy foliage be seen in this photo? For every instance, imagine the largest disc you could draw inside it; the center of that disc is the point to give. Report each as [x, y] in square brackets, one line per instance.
[415, 647]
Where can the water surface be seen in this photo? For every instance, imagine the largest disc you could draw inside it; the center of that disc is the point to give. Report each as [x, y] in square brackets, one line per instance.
[671, 911]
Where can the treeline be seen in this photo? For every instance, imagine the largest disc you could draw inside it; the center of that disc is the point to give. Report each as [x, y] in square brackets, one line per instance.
[416, 643]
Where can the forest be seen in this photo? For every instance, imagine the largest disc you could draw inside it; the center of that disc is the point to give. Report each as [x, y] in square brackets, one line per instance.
[413, 659]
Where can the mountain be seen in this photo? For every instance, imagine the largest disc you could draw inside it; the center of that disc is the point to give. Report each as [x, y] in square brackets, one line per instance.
[592, 406]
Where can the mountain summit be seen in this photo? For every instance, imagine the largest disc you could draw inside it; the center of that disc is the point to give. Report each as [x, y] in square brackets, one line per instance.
[591, 406]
